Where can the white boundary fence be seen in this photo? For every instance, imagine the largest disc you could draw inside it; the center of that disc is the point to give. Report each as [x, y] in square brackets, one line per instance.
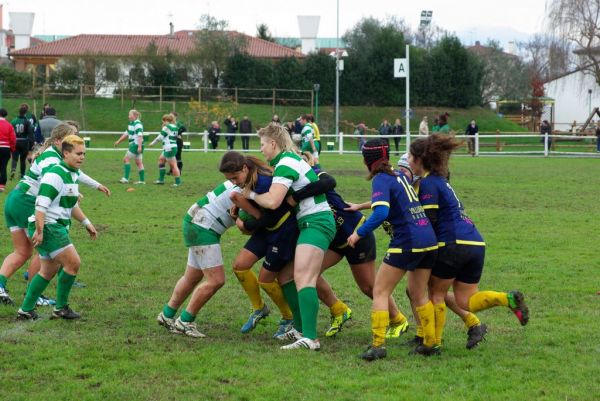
[539, 146]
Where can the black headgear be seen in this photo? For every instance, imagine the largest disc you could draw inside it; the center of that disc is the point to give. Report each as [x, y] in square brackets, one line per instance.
[375, 152]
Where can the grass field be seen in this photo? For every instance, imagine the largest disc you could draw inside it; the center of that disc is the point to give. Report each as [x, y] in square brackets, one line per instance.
[539, 218]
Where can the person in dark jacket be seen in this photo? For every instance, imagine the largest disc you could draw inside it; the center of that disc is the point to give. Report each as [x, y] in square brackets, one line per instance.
[546, 128]
[180, 130]
[25, 140]
[398, 132]
[598, 138]
[385, 129]
[472, 130]
[213, 134]
[232, 127]
[245, 128]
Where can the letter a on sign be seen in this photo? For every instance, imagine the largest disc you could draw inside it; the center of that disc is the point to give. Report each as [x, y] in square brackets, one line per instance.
[400, 67]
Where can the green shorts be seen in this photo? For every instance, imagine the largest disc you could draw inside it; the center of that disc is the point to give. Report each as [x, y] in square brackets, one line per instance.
[194, 235]
[171, 154]
[17, 209]
[317, 230]
[56, 239]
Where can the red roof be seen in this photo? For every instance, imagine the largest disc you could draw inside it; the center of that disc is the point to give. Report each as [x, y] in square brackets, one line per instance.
[181, 42]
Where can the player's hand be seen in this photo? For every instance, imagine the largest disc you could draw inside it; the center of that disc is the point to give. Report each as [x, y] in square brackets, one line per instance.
[104, 190]
[353, 239]
[38, 237]
[92, 231]
[353, 207]
[240, 224]
[234, 211]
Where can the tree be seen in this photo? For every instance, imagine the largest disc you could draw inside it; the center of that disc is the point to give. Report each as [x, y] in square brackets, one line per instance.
[263, 32]
[214, 46]
[577, 22]
[504, 76]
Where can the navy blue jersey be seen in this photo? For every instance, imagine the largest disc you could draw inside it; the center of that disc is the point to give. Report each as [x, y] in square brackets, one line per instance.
[346, 221]
[282, 214]
[452, 224]
[407, 224]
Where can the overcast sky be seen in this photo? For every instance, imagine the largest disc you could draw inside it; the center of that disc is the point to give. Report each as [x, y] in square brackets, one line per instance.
[470, 19]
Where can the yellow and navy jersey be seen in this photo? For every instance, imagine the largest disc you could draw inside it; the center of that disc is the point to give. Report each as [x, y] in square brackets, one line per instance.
[451, 225]
[406, 223]
[281, 216]
[346, 221]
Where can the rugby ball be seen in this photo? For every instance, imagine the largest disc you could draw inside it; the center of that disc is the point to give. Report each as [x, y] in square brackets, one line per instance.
[245, 216]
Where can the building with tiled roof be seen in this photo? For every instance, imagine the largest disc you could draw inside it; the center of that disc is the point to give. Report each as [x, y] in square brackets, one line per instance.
[125, 47]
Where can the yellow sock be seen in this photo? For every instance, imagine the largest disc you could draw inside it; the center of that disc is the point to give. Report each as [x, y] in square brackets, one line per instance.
[249, 283]
[420, 331]
[338, 308]
[487, 299]
[274, 292]
[398, 319]
[380, 319]
[440, 321]
[427, 318]
[471, 320]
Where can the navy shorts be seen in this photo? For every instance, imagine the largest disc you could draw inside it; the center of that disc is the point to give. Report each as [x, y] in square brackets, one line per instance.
[411, 261]
[463, 263]
[364, 251]
[278, 249]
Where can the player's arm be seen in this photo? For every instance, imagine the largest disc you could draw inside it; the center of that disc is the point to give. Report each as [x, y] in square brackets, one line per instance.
[358, 206]
[121, 138]
[243, 203]
[90, 182]
[325, 184]
[271, 199]
[77, 213]
[380, 213]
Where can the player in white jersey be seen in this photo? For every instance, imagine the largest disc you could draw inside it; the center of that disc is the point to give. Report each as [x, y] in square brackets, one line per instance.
[56, 202]
[204, 223]
[135, 150]
[20, 204]
[168, 137]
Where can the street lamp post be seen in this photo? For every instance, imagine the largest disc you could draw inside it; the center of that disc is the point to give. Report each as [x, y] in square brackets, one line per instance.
[590, 100]
[337, 71]
[316, 87]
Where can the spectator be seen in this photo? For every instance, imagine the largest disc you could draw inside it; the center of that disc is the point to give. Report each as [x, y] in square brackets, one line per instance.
[245, 128]
[472, 130]
[436, 125]
[385, 129]
[598, 137]
[24, 133]
[48, 122]
[44, 109]
[213, 134]
[546, 129]
[443, 123]
[397, 131]
[423, 127]
[232, 127]
[359, 132]
[298, 125]
[275, 119]
[8, 142]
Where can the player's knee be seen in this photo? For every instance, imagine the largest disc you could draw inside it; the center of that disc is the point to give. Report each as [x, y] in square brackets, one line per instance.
[367, 289]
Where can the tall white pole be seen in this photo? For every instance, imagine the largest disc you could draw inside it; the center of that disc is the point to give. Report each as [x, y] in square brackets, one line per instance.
[407, 98]
[337, 72]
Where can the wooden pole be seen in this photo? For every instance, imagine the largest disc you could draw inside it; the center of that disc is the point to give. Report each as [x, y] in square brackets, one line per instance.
[497, 140]
[236, 95]
[312, 102]
[273, 111]
[80, 97]
[160, 97]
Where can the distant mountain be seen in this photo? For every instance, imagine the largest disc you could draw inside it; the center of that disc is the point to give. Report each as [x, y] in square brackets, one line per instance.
[503, 35]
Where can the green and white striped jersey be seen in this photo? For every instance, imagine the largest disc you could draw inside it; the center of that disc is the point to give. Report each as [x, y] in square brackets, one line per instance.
[168, 136]
[58, 195]
[212, 211]
[30, 183]
[293, 172]
[135, 130]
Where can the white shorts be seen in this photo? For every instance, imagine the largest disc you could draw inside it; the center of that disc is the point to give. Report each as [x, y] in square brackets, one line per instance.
[205, 256]
[131, 155]
[55, 253]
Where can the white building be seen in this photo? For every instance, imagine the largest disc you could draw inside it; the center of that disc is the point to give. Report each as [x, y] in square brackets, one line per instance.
[575, 95]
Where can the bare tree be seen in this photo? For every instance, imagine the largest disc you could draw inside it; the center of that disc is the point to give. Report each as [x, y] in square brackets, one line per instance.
[214, 45]
[578, 23]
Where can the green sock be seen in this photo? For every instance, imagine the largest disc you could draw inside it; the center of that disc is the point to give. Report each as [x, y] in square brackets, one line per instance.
[3, 280]
[169, 312]
[36, 287]
[63, 289]
[187, 316]
[177, 180]
[309, 309]
[161, 174]
[141, 173]
[127, 168]
[291, 296]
